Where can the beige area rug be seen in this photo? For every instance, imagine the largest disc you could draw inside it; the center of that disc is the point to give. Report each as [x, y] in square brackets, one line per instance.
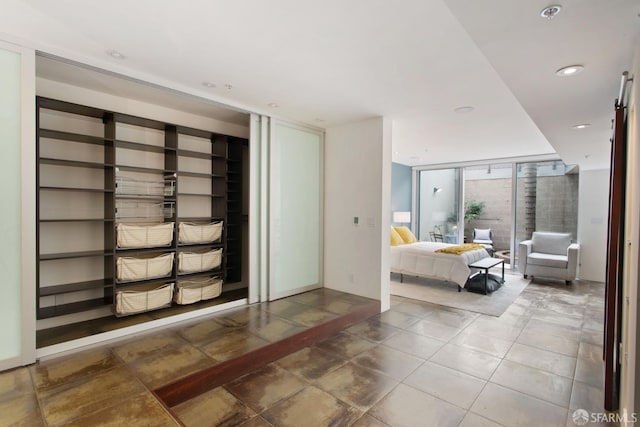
[446, 293]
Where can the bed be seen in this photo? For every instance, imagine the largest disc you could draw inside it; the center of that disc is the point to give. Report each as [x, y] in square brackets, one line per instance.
[421, 259]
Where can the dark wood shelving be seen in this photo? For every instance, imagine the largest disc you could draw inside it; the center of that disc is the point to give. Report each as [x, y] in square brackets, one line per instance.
[74, 137]
[183, 247]
[142, 147]
[200, 195]
[77, 220]
[215, 272]
[78, 254]
[74, 163]
[200, 175]
[70, 308]
[197, 154]
[76, 189]
[145, 169]
[74, 287]
[142, 251]
[132, 284]
[225, 194]
[203, 219]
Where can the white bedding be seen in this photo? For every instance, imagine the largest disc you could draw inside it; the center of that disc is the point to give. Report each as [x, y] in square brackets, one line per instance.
[420, 259]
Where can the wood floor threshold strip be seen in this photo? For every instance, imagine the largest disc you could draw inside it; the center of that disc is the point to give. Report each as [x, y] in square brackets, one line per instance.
[200, 382]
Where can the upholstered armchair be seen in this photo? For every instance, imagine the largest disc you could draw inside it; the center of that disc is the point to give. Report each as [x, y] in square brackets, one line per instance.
[549, 255]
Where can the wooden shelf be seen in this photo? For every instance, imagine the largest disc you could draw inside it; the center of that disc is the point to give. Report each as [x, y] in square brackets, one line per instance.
[74, 163]
[196, 154]
[142, 251]
[77, 220]
[145, 169]
[215, 271]
[222, 196]
[142, 147]
[201, 195]
[80, 254]
[73, 137]
[183, 247]
[131, 285]
[75, 287]
[83, 190]
[74, 307]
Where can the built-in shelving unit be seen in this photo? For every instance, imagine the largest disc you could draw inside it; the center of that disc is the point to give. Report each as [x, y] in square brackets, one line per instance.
[86, 158]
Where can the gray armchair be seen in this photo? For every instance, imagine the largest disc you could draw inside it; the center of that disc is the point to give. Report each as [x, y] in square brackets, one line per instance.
[549, 255]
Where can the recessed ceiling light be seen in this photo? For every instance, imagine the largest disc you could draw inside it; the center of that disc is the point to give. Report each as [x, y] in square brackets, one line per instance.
[465, 109]
[115, 54]
[581, 126]
[208, 84]
[273, 105]
[550, 12]
[569, 70]
[396, 153]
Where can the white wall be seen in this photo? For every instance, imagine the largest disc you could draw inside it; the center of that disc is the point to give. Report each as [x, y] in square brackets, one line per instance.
[358, 184]
[593, 211]
[17, 305]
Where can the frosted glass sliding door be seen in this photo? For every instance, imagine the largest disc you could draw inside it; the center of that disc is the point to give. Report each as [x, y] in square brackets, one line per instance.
[295, 248]
[17, 216]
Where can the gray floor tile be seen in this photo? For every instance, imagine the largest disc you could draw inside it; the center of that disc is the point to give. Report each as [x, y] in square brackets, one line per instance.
[407, 406]
[541, 384]
[515, 409]
[494, 346]
[556, 363]
[416, 345]
[446, 383]
[549, 343]
[475, 363]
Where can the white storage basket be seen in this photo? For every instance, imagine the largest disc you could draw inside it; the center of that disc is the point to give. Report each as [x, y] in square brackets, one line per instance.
[129, 268]
[190, 291]
[131, 302]
[194, 262]
[144, 236]
[190, 233]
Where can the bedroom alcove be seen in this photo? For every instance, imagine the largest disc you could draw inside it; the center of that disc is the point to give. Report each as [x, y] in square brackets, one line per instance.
[98, 133]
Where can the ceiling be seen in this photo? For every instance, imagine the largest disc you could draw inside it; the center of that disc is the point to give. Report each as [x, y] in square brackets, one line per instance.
[332, 62]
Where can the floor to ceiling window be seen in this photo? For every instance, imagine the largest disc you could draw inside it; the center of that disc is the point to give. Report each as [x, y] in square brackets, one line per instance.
[451, 203]
[488, 204]
[439, 205]
[546, 199]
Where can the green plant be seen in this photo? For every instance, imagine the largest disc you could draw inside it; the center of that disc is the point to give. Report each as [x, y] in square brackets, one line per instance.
[473, 209]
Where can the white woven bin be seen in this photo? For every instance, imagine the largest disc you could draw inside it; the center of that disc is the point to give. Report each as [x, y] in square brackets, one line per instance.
[144, 236]
[190, 291]
[195, 262]
[130, 269]
[131, 302]
[190, 233]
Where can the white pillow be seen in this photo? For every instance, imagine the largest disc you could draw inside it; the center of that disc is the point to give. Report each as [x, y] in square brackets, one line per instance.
[481, 234]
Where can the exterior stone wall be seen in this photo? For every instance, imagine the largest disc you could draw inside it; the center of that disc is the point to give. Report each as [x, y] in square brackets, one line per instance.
[556, 207]
[496, 194]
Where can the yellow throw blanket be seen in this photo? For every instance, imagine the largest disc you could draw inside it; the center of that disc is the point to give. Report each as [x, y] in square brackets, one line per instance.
[459, 249]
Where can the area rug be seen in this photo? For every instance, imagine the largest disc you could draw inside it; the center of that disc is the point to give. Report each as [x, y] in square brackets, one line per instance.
[446, 293]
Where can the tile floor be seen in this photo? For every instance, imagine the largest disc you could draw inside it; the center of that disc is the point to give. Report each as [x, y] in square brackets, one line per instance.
[416, 365]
